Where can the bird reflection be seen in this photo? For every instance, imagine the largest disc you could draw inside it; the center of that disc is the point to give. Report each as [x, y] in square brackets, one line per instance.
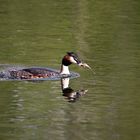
[70, 94]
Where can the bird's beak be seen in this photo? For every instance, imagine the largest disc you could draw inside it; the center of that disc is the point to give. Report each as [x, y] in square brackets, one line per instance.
[84, 65]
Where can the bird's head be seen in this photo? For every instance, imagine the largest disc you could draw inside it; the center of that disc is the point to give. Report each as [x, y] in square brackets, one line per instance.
[72, 58]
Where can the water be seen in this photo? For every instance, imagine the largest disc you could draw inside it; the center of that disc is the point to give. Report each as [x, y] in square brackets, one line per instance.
[105, 34]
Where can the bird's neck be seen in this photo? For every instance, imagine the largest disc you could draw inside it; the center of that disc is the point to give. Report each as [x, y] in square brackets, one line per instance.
[64, 69]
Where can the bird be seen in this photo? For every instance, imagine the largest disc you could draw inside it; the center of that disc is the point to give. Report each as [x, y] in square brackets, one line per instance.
[39, 73]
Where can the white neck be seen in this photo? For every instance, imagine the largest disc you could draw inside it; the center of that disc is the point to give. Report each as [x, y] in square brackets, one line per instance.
[64, 70]
[65, 83]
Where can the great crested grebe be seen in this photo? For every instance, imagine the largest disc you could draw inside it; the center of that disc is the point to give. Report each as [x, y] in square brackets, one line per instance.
[32, 73]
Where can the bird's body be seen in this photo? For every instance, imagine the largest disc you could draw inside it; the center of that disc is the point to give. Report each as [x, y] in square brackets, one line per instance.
[37, 72]
[32, 73]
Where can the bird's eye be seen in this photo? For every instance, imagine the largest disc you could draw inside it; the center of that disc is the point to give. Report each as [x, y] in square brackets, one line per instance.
[77, 60]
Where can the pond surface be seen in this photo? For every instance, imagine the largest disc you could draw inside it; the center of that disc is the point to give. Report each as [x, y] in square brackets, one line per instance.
[105, 34]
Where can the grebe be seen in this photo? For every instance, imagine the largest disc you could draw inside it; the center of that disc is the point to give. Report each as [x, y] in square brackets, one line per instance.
[32, 73]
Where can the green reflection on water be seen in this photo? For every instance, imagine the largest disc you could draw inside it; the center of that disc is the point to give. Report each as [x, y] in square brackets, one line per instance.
[106, 35]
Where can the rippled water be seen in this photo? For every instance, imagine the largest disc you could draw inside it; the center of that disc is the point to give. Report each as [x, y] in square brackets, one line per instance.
[105, 34]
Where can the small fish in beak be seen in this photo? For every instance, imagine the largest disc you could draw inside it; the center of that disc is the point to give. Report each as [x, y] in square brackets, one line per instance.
[84, 65]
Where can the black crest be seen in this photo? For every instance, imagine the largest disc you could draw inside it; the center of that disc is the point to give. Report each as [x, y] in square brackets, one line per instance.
[75, 56]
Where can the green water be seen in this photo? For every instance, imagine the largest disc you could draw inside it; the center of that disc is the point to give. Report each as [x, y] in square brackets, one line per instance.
[105, 34]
